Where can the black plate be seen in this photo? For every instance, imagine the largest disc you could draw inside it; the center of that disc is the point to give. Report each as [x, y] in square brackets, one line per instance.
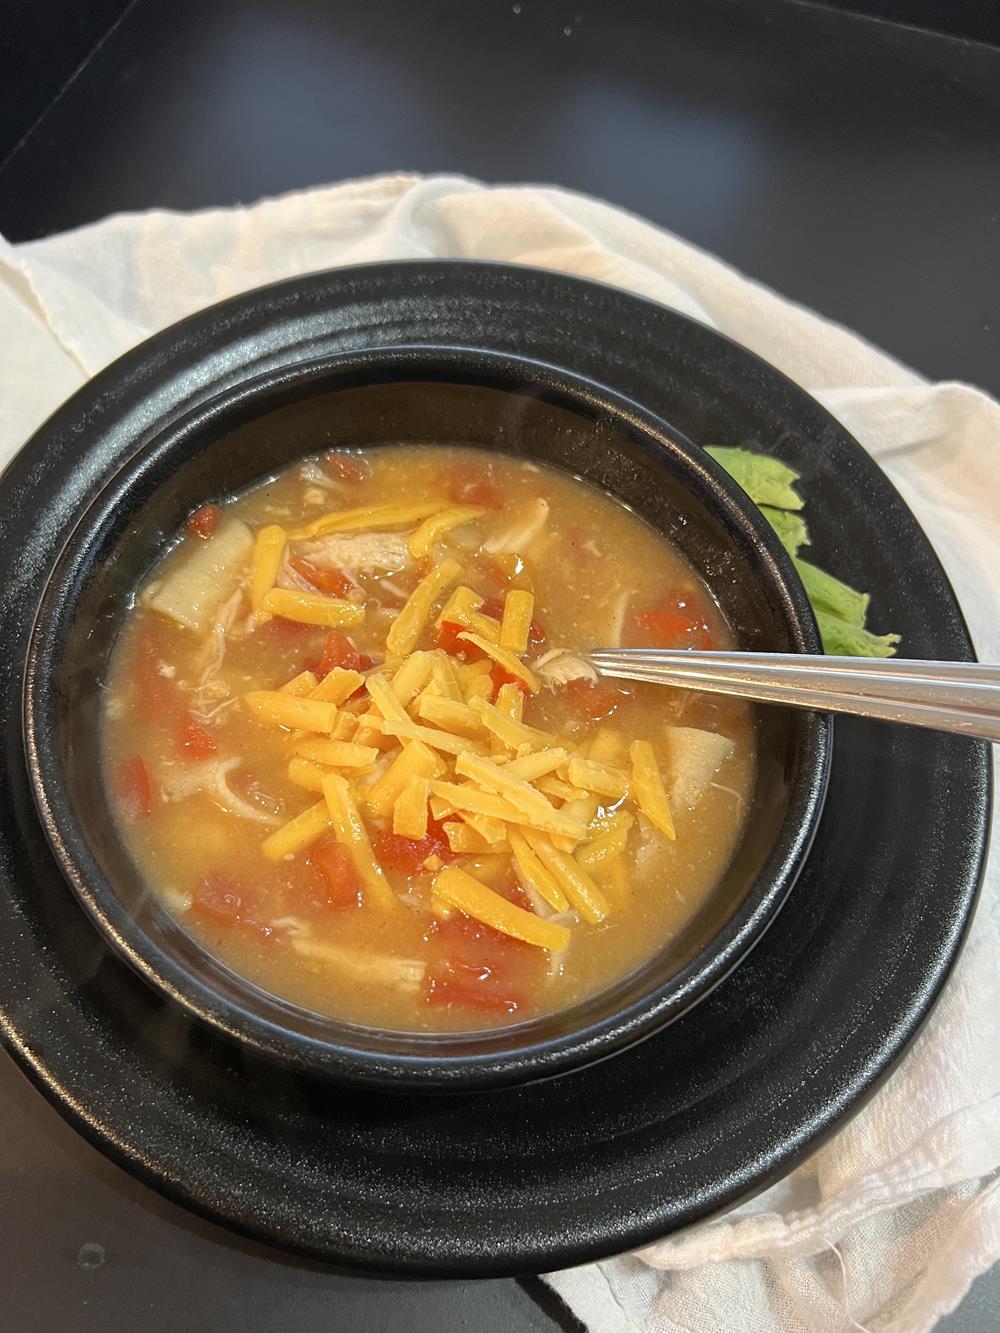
[697, 1118]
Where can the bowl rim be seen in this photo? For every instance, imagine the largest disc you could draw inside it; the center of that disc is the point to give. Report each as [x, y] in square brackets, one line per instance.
[455, 1071]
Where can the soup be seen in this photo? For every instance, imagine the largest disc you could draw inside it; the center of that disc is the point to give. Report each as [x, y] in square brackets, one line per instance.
[353, 747]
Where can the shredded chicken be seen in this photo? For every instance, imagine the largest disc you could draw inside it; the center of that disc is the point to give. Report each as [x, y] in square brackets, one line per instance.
[195, 588]
[694, 758]
[178, 900]
[209, 690]
[311, 473]
[651, 849]
[731, 791]
[557, 957]
[209, 778]
[559, 666]
[292, 925]
[359, 553]
[617, 621]
[517, 538]
[393, 589]
[372, 969]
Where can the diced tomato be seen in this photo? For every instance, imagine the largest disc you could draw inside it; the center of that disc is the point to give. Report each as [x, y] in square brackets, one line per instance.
[221, 900]
[594, 701]
[203, 522]
[284, 630]
[471, 485]
[132, 787]
[407, 855]
[493, 606]
[447, 638]
[338, 651]
[478, 967]
[332, 582]
[444, 990]
[156, 699]
[464, 938]
[515, 894]
[340, 886]
[193, 741]
[536, 635]
[345, 467]
[218, 898]
[501, 676]
[676, 622]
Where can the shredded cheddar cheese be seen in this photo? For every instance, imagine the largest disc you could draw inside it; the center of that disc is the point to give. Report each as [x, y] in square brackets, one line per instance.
[424, 737]
[408, 625]
[511, 664]
[286, 710]
[434, 528]
[518, 608]
[309, 608]
[460, 890]
[268, 553]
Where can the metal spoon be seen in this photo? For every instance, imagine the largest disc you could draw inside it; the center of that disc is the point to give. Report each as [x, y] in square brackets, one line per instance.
[962, 697]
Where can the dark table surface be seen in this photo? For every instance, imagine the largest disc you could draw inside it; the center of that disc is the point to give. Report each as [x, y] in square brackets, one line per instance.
[854, 165]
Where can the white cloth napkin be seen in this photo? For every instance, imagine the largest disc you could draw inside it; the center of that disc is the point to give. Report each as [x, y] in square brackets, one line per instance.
[887, 1224]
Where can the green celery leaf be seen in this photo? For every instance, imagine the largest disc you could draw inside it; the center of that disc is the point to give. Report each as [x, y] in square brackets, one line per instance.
[841, 639]
[766, 480]
[791, 528]
[826, 591]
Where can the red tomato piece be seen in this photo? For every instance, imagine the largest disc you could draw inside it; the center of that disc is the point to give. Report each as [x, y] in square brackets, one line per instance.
[536, 635]
[338, 651]
[345, 467]
[444, 990]
[156, 699]
[203, 522]
[407, 855]
[493, 606]
[193, 741]
[594, 701]
[501, 676]
[341, 886]
[472, 485]
[284, 630]
[331, 582]
[515, 894]
[678, 621]
[478, 967]
[219, 899]
[132, 787]
[464, 938]
[447, 638]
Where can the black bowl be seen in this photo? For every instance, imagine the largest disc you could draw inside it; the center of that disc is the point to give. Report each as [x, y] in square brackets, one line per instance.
[413, 395]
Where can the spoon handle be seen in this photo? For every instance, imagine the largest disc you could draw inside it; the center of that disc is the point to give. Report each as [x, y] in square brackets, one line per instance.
[961, 697]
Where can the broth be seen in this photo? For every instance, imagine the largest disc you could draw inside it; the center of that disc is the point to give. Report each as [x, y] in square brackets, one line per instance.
[373, 816]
